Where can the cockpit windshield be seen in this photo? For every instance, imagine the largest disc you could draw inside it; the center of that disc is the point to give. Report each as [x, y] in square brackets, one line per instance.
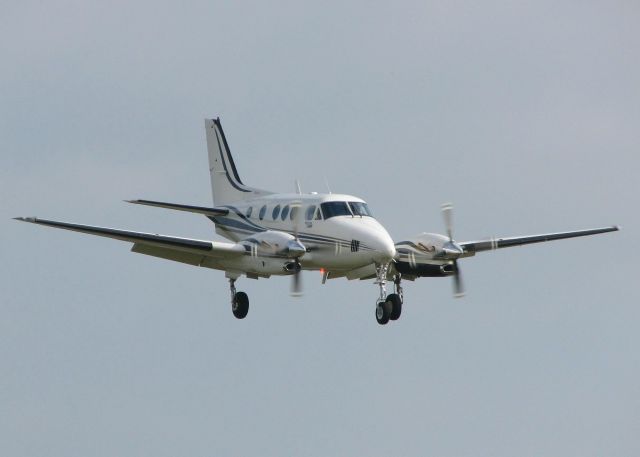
[360, 209]
[332, 209]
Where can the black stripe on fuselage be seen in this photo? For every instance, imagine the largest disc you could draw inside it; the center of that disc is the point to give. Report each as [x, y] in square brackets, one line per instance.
[235, 226]
[258, 228]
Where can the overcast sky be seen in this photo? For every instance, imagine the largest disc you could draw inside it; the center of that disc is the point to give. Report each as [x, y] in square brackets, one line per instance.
[524, 114]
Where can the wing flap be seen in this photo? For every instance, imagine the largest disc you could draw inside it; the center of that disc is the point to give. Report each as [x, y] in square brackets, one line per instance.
[471, 247]
[168, 254]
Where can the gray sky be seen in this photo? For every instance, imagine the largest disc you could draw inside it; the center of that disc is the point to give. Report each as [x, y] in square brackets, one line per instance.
[524, 114]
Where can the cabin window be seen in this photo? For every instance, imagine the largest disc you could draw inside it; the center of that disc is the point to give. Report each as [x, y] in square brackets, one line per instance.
[285, 212]
[332, 209]
[276, 212]
[263, 210]
[360, 209]
[249, 211]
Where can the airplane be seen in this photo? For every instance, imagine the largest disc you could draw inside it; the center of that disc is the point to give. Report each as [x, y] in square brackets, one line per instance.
[281, 234]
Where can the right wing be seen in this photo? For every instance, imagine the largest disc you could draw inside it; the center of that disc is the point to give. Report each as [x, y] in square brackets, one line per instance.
[186, 250]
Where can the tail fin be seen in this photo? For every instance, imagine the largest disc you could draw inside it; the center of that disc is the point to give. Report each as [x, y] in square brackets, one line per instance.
[226, 185]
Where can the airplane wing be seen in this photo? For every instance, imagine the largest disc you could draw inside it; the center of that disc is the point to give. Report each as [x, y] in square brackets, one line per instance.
[471, 247]
[168, 247]
[189, 208]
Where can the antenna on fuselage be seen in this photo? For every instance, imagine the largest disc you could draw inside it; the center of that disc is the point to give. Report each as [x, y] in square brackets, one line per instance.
[326, 183]
[298, 191]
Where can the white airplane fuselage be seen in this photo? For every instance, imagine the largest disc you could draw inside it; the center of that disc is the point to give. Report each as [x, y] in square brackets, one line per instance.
[332, 242]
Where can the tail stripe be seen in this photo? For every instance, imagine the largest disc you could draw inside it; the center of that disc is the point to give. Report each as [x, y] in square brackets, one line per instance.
[226, 186]
[224, 163]
[228, 151]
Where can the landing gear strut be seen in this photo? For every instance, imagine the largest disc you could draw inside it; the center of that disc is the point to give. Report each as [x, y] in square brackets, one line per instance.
[388, 307]
[239, 301]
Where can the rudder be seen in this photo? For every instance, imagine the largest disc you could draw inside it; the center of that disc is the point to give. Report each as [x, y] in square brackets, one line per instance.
[226, 185]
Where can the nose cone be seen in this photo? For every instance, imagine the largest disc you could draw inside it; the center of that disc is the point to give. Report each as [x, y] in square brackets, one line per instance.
[384, 249]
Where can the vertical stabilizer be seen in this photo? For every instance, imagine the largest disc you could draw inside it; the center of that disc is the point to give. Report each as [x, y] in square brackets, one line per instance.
[226, 185]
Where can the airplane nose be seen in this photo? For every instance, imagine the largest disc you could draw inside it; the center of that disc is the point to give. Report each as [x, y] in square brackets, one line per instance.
[384, 248]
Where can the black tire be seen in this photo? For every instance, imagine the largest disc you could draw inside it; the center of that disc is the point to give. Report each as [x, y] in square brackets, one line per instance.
[240, 305]
[396, 306]
[383, 311]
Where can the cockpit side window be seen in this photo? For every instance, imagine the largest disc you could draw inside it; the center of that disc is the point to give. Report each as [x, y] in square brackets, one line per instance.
[308, 215]
[360, 209]
[332, 209]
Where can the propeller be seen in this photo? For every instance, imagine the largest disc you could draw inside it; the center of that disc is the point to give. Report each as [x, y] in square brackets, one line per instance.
[296, 279]
[452, 250]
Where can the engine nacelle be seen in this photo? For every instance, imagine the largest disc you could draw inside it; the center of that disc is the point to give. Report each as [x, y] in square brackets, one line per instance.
[274, 243]
[423, 255]
[425, 246]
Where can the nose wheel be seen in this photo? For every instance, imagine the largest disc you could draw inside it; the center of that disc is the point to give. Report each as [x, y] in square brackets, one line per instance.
[396, 306]
[388, 307]
[396, 298]
[383, 312]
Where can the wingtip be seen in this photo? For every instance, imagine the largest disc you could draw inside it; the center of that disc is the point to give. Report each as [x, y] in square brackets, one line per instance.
[25, 219]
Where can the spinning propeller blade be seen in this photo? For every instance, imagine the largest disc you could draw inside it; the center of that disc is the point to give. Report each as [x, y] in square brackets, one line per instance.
[296, 284]
[458, 287]
[296, 279]
[447, 215]
[454, 248]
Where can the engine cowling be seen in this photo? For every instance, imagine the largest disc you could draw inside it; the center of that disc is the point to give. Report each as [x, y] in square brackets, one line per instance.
[271, 252]
[274, 243]
[424, 255]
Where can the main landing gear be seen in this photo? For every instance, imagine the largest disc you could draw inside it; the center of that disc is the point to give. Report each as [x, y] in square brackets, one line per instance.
[239, 301]
[388, 307]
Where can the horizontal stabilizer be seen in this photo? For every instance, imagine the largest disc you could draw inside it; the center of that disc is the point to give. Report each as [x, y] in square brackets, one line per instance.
[188, 208]
[471, 247]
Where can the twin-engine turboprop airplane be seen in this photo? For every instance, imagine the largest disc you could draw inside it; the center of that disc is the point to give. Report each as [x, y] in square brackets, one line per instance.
[282, 234]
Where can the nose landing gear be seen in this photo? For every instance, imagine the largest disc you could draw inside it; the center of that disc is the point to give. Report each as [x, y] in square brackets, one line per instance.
[388, 307]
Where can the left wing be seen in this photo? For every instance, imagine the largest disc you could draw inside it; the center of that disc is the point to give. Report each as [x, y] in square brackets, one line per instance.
[152, 242]
[471, 247]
